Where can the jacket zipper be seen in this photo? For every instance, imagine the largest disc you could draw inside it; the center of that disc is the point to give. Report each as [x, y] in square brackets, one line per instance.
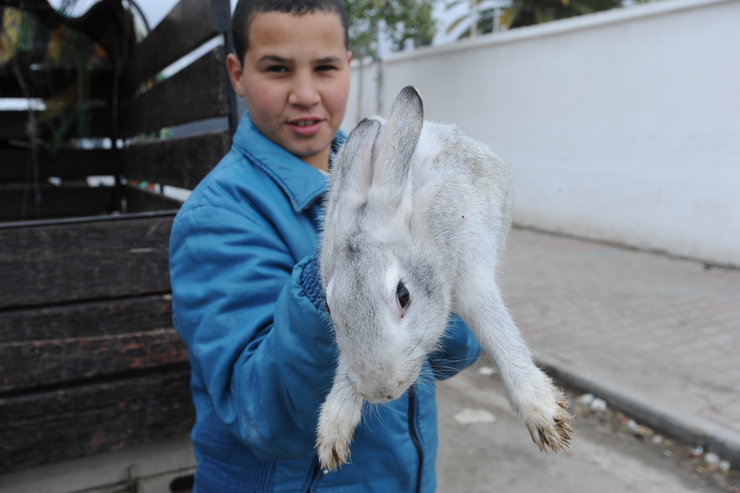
[415, 436]
[317, 473]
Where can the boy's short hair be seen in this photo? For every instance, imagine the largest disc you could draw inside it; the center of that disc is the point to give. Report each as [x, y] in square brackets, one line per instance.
[247, 10]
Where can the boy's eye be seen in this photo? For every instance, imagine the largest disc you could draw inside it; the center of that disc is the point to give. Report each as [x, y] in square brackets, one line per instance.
[277, 68]
[325, 68]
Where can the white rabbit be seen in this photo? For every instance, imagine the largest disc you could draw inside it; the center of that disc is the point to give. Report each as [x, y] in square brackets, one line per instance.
[416, 218]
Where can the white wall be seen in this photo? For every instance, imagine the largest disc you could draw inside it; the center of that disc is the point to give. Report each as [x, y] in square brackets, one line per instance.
[621, 126]
[363, 97]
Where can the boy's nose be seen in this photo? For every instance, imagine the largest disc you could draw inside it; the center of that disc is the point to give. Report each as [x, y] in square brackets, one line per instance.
[304, 92]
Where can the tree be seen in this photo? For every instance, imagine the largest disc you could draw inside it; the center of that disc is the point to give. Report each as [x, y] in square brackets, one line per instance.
[400, 20]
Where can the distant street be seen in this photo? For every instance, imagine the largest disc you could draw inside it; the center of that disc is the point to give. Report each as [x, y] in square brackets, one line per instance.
[648, 333]
[501, 457]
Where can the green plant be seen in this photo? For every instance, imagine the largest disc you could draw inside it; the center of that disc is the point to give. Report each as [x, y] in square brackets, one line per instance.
[400, 20]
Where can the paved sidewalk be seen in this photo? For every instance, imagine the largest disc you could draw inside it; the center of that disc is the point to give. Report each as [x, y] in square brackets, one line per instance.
[656, 337]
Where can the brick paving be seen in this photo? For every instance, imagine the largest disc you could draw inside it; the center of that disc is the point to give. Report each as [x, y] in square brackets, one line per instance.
[660, 332]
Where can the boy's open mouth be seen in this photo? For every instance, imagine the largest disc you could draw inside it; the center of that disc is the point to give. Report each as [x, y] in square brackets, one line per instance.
[306, 127]
[304, 123]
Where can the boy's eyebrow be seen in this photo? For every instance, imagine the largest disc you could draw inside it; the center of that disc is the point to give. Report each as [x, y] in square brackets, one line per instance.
[285, 61]
[274, 58]
[329, 59]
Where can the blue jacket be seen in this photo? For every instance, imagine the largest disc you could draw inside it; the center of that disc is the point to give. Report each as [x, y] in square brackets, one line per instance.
[261, 346]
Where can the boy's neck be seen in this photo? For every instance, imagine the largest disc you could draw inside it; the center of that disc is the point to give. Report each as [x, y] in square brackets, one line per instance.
[319, 161]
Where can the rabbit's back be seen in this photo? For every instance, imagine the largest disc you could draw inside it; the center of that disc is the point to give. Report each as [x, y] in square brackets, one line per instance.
[462, 192]
[446, 153]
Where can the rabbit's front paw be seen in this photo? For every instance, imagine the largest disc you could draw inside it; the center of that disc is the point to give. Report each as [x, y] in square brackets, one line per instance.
[337, 421]
[549, 422]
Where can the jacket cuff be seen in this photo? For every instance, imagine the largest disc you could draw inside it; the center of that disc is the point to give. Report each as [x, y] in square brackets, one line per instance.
[311, 281]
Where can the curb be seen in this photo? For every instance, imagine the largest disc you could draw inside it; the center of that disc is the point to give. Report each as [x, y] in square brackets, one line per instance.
[669, 421]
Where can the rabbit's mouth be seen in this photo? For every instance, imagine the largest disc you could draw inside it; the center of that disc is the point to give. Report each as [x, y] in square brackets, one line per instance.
[379, 390]
[382, 394]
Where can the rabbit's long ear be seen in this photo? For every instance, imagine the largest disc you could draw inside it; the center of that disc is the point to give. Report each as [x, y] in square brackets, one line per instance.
[399, 143]
[352, 171]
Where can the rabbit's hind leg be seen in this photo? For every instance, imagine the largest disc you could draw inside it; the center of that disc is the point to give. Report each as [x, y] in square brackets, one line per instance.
[531, 392]
[340, 414]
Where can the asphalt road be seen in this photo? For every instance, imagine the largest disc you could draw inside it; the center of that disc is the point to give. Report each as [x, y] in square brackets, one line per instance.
[501, 457]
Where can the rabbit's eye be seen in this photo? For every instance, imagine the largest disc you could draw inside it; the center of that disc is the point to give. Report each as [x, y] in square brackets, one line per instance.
[403, 295]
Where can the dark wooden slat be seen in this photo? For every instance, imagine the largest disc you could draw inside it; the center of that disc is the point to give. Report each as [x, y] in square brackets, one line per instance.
[92, 276]
[179, 162]
[13, 125]
[85, 219]
[86, 319]
[47, 83]
[65, 424]
[138, 200]
[56, 202]
[86, 261]
[54, 239]
[66, 163]
[26, 365]
[197, 92]
[190, 24]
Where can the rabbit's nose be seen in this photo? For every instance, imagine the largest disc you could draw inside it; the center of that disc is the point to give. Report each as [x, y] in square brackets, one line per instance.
[384, 393]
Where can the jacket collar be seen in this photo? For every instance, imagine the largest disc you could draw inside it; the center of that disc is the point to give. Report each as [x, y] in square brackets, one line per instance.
[301, 182]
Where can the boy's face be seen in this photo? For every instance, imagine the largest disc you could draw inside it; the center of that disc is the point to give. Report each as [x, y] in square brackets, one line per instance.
[295, 80]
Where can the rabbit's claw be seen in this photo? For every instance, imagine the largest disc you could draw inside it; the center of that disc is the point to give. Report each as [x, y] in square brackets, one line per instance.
[333, 451]
[550, 425]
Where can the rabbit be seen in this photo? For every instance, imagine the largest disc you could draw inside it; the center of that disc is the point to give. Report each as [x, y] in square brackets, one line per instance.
[416, 218]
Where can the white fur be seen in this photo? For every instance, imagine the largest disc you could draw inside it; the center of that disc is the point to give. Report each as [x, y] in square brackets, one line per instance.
[422, 204]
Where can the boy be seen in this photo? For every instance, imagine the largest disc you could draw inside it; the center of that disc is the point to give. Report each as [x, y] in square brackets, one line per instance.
[247, 298]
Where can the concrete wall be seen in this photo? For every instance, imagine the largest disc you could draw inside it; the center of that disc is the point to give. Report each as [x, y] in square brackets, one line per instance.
[621, 126]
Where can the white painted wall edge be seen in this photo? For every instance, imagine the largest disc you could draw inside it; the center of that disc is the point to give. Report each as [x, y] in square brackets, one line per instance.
[587, 21]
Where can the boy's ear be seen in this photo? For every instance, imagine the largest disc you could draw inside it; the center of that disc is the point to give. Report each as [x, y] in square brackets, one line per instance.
[234, 68]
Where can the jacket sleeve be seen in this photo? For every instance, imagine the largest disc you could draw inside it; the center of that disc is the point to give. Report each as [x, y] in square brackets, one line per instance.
[265, 353]
[459, 349]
